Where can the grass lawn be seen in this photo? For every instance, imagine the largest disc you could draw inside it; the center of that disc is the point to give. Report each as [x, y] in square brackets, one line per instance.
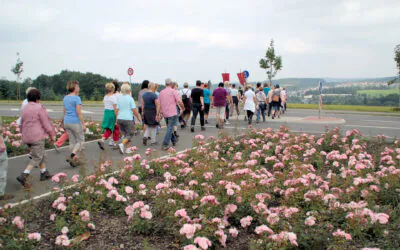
[377, 92]
[345, 107]
[290, 105]
[50, 102]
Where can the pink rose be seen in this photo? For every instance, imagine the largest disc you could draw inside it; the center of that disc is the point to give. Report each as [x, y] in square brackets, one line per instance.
[34, 236]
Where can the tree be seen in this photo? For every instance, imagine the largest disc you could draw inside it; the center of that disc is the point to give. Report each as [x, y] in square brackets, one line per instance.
[17, 70]
[271, 63]
[397, 60]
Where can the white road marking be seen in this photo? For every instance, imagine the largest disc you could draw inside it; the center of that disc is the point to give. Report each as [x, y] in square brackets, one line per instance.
[49, 150]
[87, 112]
[363, 126]
[380, 121]
[14, 109]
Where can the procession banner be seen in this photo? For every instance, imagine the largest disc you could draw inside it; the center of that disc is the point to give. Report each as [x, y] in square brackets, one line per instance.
[225, 77]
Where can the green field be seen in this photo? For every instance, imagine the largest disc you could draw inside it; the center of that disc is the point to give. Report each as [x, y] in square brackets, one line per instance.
[377, 92]
[345, 107]
[290, 106]
[50, 102]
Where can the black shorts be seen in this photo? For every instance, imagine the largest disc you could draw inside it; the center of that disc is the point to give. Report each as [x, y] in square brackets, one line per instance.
[206, 108]
[235, 100]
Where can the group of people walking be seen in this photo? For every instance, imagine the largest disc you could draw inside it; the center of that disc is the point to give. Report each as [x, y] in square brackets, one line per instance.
[120, 110]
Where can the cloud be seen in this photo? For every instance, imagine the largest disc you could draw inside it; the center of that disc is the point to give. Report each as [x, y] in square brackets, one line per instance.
[363, 13]
[119, 32]
[25, 15]
[297, 46]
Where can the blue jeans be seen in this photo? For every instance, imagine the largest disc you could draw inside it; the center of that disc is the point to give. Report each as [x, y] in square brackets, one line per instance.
[169, 135]
[3, 170]
[261, 111]
[227, 111]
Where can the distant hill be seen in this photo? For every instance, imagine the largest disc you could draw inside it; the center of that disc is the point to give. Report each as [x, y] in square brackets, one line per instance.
[297, 83]
[341, 80]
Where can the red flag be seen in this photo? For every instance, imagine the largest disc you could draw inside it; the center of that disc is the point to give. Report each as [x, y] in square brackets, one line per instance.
[225, 77]
[241, 78]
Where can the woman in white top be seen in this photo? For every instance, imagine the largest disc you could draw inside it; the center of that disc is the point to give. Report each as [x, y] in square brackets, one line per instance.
[284, 99]
[24, 103]
[110, 116]
[235, 98]
[250, 103]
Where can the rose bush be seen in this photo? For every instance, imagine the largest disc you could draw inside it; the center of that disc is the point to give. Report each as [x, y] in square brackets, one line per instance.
[13, 137]
[276, 189]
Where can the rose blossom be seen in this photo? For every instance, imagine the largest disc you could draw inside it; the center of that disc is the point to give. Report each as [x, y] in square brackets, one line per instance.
[203, 242]
[310, 221]
[34, 236]
[246, 221]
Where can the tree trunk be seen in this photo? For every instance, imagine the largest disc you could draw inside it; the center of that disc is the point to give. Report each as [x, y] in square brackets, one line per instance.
[18, 91]
[398, 87]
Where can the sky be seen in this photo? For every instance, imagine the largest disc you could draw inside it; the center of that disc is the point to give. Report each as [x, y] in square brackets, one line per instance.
[199, 40]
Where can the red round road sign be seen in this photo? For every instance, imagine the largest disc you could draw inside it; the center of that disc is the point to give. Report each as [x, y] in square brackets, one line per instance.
[130, 71]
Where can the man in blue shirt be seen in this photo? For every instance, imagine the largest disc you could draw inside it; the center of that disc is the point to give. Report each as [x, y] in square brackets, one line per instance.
[266, 88]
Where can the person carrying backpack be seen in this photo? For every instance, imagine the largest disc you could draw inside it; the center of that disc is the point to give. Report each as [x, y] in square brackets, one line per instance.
[276, 101]
[185, 95]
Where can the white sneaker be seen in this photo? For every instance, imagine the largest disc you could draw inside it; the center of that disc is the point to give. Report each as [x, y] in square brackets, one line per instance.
[110, 143]
[121, 148]
[227, 122]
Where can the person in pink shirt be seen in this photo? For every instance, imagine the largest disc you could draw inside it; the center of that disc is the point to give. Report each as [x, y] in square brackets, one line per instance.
[35, 127]
[169, 99]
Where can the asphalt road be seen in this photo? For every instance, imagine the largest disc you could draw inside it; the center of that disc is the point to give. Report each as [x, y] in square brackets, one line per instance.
[370, 124]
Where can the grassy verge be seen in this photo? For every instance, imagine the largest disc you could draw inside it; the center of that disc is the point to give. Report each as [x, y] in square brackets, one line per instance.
[49, 102]
[345, 107]
[377, 92]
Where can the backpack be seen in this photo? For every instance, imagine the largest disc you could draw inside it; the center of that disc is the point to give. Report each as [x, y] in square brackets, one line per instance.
[185, 97]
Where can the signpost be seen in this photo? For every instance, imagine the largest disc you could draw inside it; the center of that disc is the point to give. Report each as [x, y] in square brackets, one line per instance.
[320, 100]
[246, 74]
[131, 71]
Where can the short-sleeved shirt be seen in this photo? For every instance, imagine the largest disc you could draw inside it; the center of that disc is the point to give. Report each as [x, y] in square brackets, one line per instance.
[196, 94]
[276, 92]
[249, 95]
[234, 92]
[169, 98]
[117, 96]
[70, 102]
[185, 91]
[266, 90]
[220, 95]
[260, 96]
[149, 100]
[229, 90]
[140, 96]
[22, 106]
[207, 94]
[109, 102]
[125, 105]
[283, 94]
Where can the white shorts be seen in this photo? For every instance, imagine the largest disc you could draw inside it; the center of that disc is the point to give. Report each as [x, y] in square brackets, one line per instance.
[220, 112]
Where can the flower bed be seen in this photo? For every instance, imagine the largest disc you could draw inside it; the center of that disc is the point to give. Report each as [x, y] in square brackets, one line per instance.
[264, 190]
[13, 137]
